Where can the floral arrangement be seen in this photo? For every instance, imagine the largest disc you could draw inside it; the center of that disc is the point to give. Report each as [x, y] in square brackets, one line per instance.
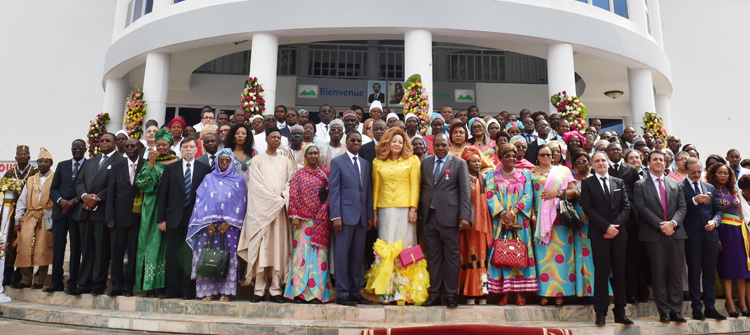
[135, 108]
[571, 109]
[252, 99]
[654, 125]
[96, 130]
[12, 184]
[415, 102]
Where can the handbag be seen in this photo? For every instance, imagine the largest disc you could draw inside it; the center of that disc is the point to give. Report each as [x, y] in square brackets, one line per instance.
[213, 263]
[567, 214]
[509, 251]
[411, 255]
[323, 194]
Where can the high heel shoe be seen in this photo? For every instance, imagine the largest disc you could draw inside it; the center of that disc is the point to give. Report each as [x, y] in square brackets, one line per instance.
[502, 303]
[521, 303]
[746, 313]
[543, 302]
[559, 302]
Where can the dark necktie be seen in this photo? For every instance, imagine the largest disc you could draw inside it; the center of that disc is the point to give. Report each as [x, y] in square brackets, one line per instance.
[606, 188]
[663, 194]
[695, 187]
[356, 170]
[102, 162]
[617, 167]
[212, 158]
[188, 184]
[75, 169]
[436, 172]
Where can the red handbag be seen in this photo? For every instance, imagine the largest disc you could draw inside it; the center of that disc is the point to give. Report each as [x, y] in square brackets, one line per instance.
[411, 255]
[509, 252]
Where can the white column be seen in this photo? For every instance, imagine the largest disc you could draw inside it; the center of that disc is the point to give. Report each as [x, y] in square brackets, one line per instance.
[263, 64]
[560, 71]
[418, 59]
[160, 4]
[662, 107]
[115, 93]
[654, 16]
[121, 16]
[637, 15]
[156, 86]
[641, 95]
[303, 60]
[373, 65]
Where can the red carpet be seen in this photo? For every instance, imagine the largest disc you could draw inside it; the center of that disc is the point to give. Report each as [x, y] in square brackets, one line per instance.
[467, 330]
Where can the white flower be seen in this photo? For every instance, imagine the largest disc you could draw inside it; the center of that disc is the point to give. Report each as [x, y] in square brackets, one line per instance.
[575, 113]
[229, 195]
[578, 109]
[253, 97]
[576, 101]
[570, 98]
[262, 94]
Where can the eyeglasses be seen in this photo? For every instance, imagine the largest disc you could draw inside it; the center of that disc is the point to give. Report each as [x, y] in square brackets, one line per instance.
[694, 171]
[208, 117]
[521, 147]
[510, 156]
[130, 146]
[545, 155]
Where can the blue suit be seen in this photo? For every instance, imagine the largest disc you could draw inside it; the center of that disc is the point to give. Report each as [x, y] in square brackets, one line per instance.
[702, 247]
[350, 200]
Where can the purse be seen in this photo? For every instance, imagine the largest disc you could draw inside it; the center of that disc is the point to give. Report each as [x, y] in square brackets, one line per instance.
[213, 263]
[411, 255]
[509, 251]
[567, 214]
[323, 194]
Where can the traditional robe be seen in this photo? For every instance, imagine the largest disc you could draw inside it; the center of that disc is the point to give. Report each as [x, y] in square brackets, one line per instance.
[265, 240]
[328, 153]
[14, 173]
[34, 243]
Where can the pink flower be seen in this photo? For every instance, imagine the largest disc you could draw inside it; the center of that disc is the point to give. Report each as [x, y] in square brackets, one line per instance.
[447, 172]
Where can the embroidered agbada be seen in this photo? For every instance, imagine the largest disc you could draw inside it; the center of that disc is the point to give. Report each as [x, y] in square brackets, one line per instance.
[265, 240]
[34, 243]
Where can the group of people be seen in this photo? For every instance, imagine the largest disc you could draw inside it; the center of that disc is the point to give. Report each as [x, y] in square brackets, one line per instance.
[329, 211]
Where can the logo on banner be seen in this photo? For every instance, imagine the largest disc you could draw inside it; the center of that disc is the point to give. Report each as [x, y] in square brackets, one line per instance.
[307, 91]
[464, 95]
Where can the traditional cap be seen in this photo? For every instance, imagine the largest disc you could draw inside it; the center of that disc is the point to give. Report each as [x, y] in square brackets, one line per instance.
[376, 104]
[256, 116]
[44, 154]
[22, 148]
[409, 116]
[336, 122]
[121, 131]
[271, 130]
[303, 111]
[350, 112]
[177, 120]
[296, 127]
[391, 115]
[491, 121]
[164, 134]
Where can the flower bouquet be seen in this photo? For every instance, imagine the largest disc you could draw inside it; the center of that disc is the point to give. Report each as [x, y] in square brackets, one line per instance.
[415, 102]
[135, 108]
[11, 184]
[571, 109]
[252, 99]
[654, 125]
[96, 130]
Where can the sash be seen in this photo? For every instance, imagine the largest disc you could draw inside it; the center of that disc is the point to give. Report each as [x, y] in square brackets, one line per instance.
[734, 220]
[556, 180]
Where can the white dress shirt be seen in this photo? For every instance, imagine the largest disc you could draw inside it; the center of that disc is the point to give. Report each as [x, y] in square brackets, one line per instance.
[192, 168]
[321, 133]
[21, 203]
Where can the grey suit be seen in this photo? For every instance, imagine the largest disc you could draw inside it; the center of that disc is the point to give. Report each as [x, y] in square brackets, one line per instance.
[666, 253]
[441, 215]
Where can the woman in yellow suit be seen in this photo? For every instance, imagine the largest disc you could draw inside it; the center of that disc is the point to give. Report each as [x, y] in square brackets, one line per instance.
[395, 184]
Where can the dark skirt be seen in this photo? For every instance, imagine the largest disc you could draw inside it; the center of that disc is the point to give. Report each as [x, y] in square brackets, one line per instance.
[732, 262]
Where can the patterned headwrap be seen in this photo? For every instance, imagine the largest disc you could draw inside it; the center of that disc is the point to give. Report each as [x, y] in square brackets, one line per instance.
[557, 144]
[177, 120]
[476, 119]
[163, 134]
[350, 112]
[419, 138]
[517, 138]
[304, 151]
[574, 133]
[516, 124]
[470, 152]
[303, 111]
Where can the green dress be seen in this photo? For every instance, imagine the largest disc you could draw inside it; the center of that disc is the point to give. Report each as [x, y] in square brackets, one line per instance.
[151, 261]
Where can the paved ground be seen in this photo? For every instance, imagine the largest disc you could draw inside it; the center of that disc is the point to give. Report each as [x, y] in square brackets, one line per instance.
[11, 326]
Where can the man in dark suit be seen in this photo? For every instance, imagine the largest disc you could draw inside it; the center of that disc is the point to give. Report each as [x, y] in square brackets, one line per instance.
[123, 219]
[605, 202]
[703, 216]
[350, 201]
[211, 144]
[91, 188]
[542, 131]
[376, 95]
[368, 153]
[660, 203]
[174, 205]
[445, 208]
[637, 267]
[63, 194]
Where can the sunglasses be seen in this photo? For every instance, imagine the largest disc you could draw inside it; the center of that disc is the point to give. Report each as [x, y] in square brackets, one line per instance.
[545, 155]
[130, 146]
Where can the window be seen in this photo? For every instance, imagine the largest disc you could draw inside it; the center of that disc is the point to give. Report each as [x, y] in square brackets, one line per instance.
[619, 7]
[137, 9]
[603, 4]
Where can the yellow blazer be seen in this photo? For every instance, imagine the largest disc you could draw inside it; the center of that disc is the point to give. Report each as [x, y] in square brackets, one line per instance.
[396, 183]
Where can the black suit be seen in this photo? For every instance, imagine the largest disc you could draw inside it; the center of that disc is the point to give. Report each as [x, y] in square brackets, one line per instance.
[637, 273]
[702, 247]
[381, 98]
[173, 208]
[603, 211]
[127, 223]
[63, 187]
[533, 148]
[666, 253]
[442, 204]
[368, 153]
[93, 178]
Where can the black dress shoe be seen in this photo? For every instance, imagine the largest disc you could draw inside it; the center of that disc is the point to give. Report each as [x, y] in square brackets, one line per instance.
[128, 293]
[97, 291]
[714, 314]
[451, 302]
[346, 301]
[623, 320]
[632, 300]
[745, 313]
[734, 314]
[676, 317]
[73, 291]
[50, 289]
[600, 320]
[256, 298]
[19, 286]
[432, 301]
[37, 286]
[277, 299]
[115, 293]
[664, 318]
[698, 315]
[186, 297]
[360, 300]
